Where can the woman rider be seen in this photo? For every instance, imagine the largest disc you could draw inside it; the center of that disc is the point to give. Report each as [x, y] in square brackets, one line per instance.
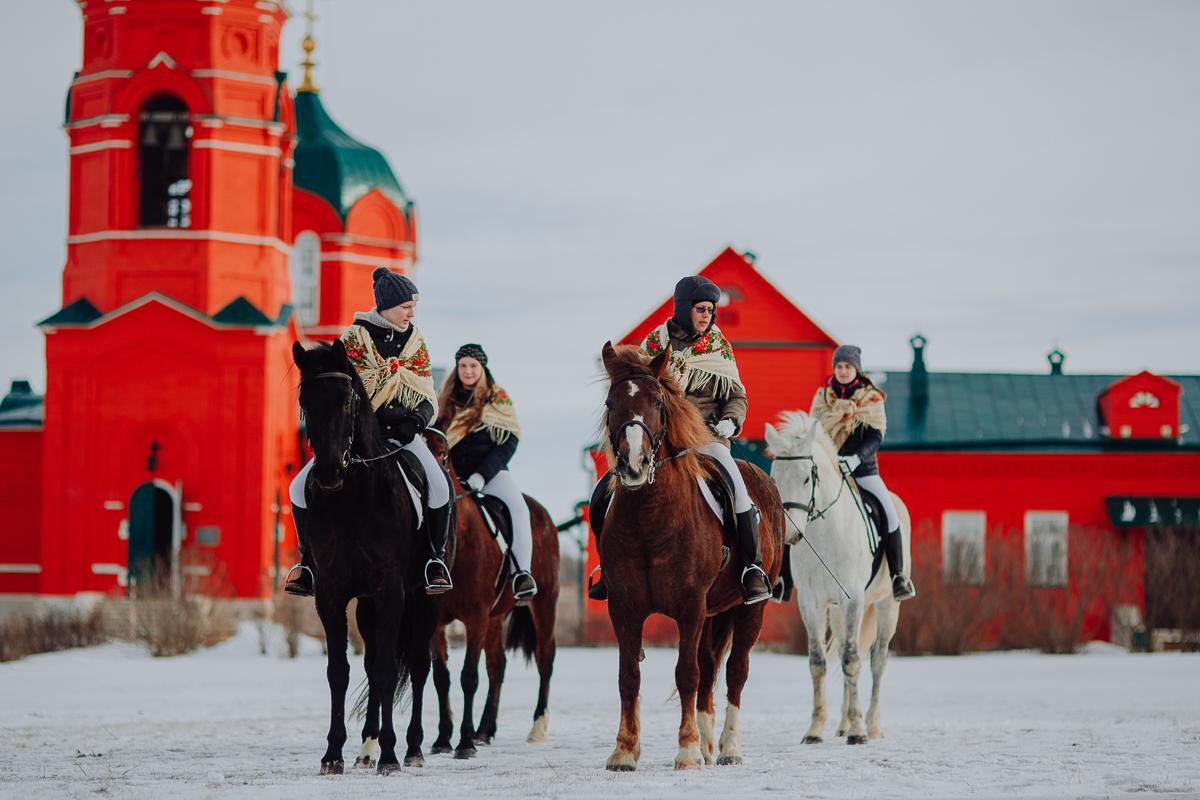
[850, 409]
[482, 430]
[390, 356]
[701, 359]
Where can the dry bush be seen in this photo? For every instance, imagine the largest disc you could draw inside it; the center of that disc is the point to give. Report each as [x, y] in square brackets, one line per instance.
[1061, 619]
[953, 613]
[49, 631]
[1172, 575]
[172, 614]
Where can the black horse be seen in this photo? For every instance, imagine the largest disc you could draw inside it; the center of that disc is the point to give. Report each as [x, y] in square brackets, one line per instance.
[363, 532]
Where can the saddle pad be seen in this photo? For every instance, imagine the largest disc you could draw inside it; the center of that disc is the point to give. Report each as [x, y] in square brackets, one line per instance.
[415, 495]
[711, 500]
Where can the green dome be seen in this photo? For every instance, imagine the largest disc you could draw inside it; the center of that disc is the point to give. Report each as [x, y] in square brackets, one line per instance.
[334, 165]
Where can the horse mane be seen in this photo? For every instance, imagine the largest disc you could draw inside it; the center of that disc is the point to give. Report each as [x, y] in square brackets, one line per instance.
[796, 424]
[685, 427]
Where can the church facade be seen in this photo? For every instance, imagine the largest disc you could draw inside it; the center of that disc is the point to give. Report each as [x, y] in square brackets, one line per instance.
[215, 216]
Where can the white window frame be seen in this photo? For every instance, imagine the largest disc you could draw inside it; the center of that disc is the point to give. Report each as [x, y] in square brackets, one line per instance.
[1045, 526]
[969, 528]
[304, 269]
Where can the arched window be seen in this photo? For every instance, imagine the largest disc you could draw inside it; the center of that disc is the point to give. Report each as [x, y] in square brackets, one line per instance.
[305, 270]
[164, 133]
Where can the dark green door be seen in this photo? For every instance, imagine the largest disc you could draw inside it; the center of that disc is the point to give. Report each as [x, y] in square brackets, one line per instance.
[151, 532]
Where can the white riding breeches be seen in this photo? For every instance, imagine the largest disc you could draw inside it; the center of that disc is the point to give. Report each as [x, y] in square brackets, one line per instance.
[437, 493]
[741, 497]
[875, 485]
[504, 487]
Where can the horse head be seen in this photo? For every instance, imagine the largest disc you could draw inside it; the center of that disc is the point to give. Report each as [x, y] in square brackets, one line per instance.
[330, 400]
[796, 468]
[636, 413]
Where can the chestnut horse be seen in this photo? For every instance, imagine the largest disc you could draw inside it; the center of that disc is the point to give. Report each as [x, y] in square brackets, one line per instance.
[662, 553]
[474, 601]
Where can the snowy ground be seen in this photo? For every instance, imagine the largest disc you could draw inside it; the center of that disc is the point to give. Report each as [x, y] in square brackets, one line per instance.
[112, 722]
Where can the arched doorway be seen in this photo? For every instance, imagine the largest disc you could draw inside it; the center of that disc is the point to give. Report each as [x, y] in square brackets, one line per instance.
[153, 515]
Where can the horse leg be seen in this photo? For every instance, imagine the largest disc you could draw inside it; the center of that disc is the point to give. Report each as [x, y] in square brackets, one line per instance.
[337, 672]
[543, 623]
[368, 756]
[888, 612]
[713, 641]
[469, 679]
[628, 628]
[687, 681]
[747, 623]
[851, 665]
[384, 672]
[814, 623]
[419, 660]
[493, 650]
[441, 682]
[834, 644]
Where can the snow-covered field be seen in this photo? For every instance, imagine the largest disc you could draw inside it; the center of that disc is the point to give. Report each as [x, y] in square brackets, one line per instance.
[112, 722]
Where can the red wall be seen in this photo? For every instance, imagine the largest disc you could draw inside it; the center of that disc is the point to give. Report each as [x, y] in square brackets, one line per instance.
[20, 491]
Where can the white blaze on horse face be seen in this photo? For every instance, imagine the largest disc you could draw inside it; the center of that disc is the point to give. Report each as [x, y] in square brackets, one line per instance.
[633, 436]
[633, 388]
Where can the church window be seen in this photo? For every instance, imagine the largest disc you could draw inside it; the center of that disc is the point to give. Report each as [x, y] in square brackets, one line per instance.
[305, 269]
[164, 134]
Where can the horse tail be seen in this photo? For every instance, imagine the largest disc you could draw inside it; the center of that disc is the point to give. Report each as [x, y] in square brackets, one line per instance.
[522, 634]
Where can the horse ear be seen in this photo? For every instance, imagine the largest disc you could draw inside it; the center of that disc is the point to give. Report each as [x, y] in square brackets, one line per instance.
[775, 440]
[339, 350]
[811, 436]
[298, 353]
[609, 356]
[658, 365]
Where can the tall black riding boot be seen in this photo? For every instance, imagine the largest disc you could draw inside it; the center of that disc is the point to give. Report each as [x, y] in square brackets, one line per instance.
[893, 548]
[437, 574]
[597, 510]
[304, 582]
[754, 580]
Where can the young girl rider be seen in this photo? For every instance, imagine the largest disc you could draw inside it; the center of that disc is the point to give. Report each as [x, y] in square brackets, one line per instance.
[701, 360]
[390, 356]
[850, 409]
[481, 427]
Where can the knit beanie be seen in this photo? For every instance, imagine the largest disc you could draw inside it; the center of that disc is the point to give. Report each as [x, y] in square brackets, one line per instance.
[391, 289]
[849, 354]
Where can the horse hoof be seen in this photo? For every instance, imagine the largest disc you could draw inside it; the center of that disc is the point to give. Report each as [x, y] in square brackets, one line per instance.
[698, 764]
[841, 732]
[388, 768]
[642, 655]
[416, 760]
[465, 752]
[856, 739]
[439, 749]
[483, 740]
[812, 740]
[333, 767]
[728, 761]
[620, 767]
[364, 762]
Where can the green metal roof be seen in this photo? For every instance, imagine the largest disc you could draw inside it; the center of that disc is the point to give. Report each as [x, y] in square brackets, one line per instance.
[334, 165]
[21, 408]
[80, 312]
[987, 410]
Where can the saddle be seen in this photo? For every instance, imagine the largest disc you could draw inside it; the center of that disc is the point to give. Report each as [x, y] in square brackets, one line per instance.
[720, 484]
[875, 519]
[411, 468]
[498, 521]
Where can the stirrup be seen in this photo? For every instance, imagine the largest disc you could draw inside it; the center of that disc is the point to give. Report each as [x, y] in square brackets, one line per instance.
[437, 588]
[766, 579]
[601, 590]
[300, 569]
[528, 594]
[909, 590]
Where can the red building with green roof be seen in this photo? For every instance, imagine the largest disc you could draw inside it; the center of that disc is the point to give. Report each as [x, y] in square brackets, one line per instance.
[215, 216]
[1066, 496]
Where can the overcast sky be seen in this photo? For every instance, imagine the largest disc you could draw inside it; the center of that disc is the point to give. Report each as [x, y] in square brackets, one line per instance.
[1002, 177]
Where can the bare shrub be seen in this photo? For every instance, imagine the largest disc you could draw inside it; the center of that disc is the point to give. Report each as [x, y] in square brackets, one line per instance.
[175, 613]
[1172, 575]
[1060, 619]
[49, 631]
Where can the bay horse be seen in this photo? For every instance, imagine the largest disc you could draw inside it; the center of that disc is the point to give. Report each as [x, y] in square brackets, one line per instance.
[363, 532]
[840, 595]
[662, 553]
[474, 600]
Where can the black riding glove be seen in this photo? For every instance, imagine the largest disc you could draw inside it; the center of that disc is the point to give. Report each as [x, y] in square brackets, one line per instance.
[406, 429]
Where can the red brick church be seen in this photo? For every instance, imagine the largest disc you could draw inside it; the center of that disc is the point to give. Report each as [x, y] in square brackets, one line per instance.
[215, 216]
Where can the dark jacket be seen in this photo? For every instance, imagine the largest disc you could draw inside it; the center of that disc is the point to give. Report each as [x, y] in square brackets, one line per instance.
[479, 452]
[390, 343]
[864, 443]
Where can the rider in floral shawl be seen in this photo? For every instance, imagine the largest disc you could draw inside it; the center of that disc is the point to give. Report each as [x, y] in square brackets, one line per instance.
[701, 359]
[389, 354]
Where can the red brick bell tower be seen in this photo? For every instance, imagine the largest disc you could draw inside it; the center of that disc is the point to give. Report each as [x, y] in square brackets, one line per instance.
[170, 425]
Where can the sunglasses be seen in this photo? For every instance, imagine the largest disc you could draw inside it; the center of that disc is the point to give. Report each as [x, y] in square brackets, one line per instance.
[704, 309]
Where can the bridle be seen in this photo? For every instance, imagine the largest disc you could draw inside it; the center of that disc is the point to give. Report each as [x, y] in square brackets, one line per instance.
[810, 508]
[348, 459]
[656, 442]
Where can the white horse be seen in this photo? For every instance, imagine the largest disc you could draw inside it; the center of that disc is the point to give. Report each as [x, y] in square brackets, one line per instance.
[822, 503]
